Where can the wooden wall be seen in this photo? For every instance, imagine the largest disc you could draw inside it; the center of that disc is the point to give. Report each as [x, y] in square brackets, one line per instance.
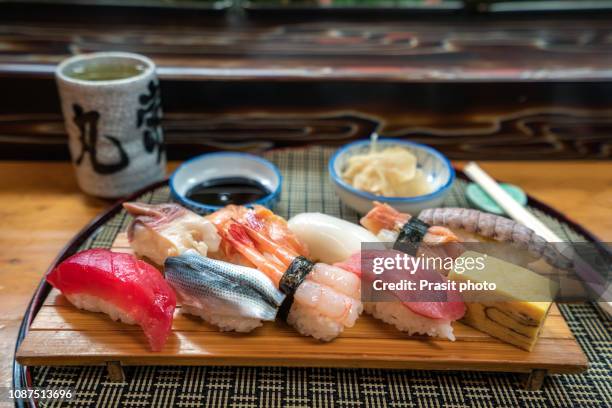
[474, 87]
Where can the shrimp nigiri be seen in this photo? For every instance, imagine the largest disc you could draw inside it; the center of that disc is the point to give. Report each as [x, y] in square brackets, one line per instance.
[323, 299]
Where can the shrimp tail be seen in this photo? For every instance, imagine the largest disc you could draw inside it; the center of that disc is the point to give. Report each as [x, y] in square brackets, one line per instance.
[237, 236]
[383, 216]
[284, 254]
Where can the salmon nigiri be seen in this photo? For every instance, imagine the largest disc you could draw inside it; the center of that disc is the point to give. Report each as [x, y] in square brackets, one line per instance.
[120, 285]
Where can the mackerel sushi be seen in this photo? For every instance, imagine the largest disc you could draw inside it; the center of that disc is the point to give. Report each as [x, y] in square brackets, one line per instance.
[231, 297]
[120, 285]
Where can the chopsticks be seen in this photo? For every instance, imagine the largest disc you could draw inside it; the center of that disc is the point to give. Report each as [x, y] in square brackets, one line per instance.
[518, 213]
[510, 206]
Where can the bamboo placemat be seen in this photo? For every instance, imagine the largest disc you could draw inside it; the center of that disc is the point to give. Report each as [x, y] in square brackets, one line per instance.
[306, 188]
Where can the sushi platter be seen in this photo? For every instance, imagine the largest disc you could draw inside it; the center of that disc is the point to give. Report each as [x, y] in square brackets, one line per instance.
[63, 335]
[216, 277]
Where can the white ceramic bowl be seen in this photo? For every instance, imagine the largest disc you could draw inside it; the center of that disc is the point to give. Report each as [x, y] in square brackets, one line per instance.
[438, 171]
[220, 165]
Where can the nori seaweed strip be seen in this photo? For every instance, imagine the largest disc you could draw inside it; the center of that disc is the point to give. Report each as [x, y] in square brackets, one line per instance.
[292, 278]
[410, 236]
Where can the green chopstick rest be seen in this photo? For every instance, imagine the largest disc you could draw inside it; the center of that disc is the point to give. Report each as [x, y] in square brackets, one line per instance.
[478, 198]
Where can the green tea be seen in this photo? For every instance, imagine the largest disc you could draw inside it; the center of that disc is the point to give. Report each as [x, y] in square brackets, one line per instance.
[104, 71]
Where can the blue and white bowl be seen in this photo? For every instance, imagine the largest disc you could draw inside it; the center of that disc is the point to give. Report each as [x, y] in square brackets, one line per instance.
[220, 165]
[438, 171]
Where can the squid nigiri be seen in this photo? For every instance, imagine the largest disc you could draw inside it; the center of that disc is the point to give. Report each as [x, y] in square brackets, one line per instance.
[120, 285]
[329, 239]
[162, 230]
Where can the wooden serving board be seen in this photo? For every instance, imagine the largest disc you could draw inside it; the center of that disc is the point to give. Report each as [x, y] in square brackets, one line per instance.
[63, 335]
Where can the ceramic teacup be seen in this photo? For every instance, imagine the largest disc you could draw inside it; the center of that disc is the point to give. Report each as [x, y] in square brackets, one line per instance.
[112, 111]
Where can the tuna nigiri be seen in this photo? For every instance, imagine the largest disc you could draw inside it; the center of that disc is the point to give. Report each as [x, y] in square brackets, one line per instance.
[120, 285]
[413, 313]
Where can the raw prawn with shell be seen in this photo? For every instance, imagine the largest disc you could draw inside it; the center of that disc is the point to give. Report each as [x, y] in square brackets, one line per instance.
[260, 219]
[387, 224]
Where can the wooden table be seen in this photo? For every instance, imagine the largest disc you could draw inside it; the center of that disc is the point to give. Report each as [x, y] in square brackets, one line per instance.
[42, 209]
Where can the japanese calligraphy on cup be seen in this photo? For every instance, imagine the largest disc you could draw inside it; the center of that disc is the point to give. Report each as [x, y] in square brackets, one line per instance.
[112, 111]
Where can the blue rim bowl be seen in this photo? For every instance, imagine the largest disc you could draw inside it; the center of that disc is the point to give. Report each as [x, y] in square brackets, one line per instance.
[420, 151]
[224, 164]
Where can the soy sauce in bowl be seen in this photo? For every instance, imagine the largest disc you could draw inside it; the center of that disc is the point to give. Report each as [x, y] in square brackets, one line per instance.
[227, 190]
[211, 181]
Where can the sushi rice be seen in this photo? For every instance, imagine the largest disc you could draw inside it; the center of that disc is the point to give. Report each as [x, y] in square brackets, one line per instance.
[96, 304]
[398, 315]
